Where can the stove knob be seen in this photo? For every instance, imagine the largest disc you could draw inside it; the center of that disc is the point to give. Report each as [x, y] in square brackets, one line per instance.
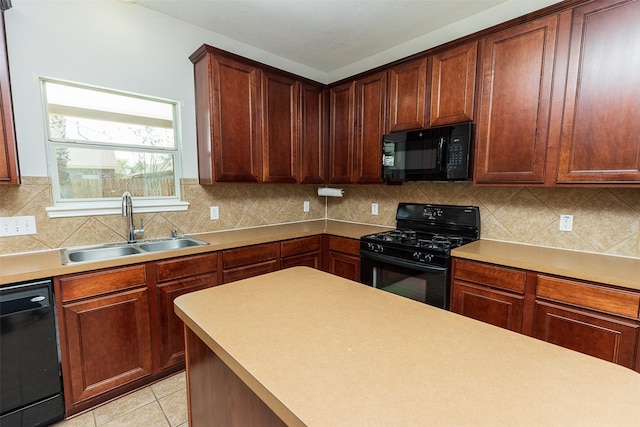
[416, 256]
[427, 258]
[380, 249]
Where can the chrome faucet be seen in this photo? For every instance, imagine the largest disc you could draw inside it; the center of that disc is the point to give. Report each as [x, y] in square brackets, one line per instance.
[127, 210]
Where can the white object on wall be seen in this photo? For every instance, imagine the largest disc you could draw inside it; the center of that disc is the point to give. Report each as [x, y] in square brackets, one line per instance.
[330, 192]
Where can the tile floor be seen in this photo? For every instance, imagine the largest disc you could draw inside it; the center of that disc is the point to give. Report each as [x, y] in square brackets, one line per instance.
[163, 404]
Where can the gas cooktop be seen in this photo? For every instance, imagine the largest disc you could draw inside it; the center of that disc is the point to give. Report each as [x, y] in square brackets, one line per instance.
[426, 232]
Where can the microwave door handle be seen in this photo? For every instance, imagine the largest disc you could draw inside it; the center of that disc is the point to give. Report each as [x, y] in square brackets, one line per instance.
[440, 150]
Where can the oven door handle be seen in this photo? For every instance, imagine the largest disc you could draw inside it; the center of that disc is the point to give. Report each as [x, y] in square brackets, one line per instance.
[402, 262]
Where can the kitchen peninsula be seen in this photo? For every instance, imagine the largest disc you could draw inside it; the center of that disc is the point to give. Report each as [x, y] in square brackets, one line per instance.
[302, 347]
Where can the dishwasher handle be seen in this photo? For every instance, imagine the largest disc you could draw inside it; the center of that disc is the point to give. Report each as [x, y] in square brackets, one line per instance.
[25, 297]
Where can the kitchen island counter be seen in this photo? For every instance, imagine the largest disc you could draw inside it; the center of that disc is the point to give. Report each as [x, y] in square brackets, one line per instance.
[319, 350]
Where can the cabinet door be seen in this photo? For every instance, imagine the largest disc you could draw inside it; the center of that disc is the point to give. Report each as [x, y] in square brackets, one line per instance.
[515, 105]
[311, 157]
[344, 265]
[605, 337]
[279, 128]
[343, 257]
[407, 96]
[371, 110]
[453, 84]
[108, 339]
[171, 327]
[600, 141]
[498, 308]
[341, 133]
[236, 120]
[8, 154]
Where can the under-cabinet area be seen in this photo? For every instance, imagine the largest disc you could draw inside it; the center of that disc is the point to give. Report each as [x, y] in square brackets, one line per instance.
[592, 318]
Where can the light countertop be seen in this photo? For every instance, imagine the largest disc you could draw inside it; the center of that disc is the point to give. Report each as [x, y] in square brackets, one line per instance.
[320, 350]
[612, 270]
[37, 265]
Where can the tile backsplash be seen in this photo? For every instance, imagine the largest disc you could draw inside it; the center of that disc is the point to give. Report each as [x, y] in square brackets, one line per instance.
[606, 220]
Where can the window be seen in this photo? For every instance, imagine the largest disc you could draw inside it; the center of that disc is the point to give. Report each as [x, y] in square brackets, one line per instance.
[103, 142]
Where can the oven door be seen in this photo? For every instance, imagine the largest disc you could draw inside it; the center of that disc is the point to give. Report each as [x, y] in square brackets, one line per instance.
[421, 282]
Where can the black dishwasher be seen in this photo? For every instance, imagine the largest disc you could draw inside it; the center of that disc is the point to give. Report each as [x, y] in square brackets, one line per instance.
[29, 358]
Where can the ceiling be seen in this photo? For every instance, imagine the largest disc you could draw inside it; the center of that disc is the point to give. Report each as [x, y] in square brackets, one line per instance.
[327, 35]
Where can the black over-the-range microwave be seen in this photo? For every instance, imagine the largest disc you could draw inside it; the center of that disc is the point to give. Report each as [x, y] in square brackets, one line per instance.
[436, 154]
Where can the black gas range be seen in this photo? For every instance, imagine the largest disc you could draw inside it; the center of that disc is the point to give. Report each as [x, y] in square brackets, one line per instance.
[414, 259]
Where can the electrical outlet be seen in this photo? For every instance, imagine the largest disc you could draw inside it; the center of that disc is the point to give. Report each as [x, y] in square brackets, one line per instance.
[305, 206]
[215, 212]
[17, 225]
[566, 222]
[374, 209]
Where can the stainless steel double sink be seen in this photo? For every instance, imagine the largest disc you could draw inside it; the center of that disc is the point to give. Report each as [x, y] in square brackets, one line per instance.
[118, 250]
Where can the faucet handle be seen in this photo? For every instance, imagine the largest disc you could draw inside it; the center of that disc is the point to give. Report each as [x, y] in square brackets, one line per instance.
[174, 234]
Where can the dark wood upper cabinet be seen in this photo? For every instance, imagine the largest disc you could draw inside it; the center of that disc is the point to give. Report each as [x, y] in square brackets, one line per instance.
[280, 100]
[515, 112]
[371, 114]
[453, 84]
[9, 171]
[555, 103]
[312, 159]
[407, 96]
[227, 119]
[342, 104]
[601, 131]
[256, 123]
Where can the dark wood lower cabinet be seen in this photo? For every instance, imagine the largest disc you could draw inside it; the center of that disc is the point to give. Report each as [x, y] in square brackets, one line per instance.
[499, 308]
[343, 257]
[592, 318]
[175, 277]
[171, 327]
[118, 328]
[105, 330]
[605, 337]
[108, 341]
[249, 261]
[305, 251]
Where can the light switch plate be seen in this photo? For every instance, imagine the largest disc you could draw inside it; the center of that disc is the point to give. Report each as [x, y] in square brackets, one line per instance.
[374, 209]
[215, 212]
[305, 206]
[17, 225]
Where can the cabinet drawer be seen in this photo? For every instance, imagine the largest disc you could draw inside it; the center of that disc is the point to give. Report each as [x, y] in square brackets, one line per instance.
[299, 246]
[588, 295]
[250, 271]
[187, 266]
[491, 275]
[102, 282]
[249, 255]
[344, 245]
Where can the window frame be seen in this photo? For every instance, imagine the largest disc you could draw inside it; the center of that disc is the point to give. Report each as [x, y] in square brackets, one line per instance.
[111, 205]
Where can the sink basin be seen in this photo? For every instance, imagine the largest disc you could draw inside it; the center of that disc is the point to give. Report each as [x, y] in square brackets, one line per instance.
[167, 245]
[101, 253]
[97, 253]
